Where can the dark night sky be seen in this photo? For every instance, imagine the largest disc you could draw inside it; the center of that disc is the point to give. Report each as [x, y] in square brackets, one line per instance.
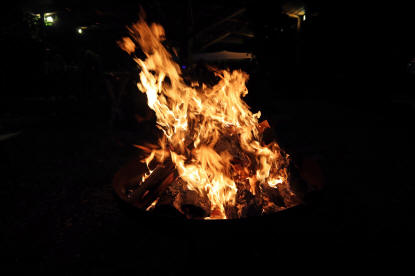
[366, 33]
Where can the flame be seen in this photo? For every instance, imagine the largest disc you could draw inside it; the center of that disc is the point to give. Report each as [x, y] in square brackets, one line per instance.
[210, 134]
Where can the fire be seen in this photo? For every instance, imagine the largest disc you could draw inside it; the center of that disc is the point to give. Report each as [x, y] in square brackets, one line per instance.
[209, 132]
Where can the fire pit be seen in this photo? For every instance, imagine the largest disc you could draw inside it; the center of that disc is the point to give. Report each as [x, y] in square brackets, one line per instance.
[306, 178]
[212, 160]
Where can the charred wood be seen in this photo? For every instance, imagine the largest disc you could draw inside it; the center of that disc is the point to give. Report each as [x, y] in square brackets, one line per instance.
[144, 194]
[195, 205]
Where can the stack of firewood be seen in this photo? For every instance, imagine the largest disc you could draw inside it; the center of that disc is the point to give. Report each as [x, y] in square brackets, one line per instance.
[164, 187]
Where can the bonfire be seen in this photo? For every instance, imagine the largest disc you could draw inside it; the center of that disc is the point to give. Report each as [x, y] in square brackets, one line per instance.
[211, 156]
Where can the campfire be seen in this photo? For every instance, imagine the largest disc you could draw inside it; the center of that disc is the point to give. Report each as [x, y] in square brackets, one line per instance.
[211, 161]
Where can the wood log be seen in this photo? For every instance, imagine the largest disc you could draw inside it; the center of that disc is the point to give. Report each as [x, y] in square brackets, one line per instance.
[150, 196]
[274, 196]
[190, 203]
[146, 192]
[248, 204]
[194, 205]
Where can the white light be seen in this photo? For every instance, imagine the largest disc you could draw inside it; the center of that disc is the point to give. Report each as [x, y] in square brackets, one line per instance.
[80, 31]
[304, 17]
[49, 19]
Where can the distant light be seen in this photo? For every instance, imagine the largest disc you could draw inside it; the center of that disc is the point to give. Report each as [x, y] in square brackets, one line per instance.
[49, 19]
[80, 30]
[184, 67]
[304, 17]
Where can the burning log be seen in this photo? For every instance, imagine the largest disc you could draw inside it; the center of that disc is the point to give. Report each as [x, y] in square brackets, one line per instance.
[143, 194]
[161, 177]
[190, 203]
[194, 205]
[274, 196]
[247, 205]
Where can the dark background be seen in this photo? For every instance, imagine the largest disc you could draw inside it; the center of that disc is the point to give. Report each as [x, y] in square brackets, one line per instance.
[339, 91]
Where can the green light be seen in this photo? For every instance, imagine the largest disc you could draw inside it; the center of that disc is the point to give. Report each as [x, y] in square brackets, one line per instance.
[50, 18]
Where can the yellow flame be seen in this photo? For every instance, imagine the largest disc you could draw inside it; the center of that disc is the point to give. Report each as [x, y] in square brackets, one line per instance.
[196, 121]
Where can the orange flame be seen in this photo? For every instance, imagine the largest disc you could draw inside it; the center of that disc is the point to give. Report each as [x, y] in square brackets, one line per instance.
[205, 128]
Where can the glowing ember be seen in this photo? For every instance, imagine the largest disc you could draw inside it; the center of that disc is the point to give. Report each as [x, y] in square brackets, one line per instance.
[210, 135]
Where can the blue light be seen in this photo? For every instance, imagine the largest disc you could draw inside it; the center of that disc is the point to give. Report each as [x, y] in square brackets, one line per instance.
[184, 66]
